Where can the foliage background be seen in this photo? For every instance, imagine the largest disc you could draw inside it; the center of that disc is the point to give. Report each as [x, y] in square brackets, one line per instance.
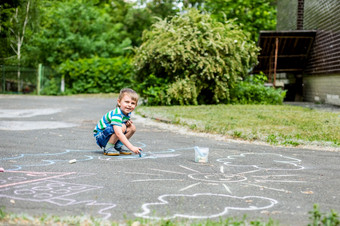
[97, 75]
[64, 33]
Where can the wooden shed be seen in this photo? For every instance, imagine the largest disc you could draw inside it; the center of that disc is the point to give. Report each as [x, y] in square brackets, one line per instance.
[304, 51]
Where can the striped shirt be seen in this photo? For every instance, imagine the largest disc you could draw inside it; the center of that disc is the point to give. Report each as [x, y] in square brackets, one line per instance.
[115, 118]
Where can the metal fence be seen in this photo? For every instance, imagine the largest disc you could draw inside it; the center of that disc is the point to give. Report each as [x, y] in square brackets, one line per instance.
[23, 80]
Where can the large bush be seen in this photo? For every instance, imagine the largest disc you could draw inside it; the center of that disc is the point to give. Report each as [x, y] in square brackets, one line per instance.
[97, 75]
[199, 58]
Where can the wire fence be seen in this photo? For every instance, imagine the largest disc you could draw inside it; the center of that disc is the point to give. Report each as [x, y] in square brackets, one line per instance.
[24, 80]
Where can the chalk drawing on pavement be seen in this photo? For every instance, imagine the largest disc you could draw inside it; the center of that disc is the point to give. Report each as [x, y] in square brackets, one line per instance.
[26, 177]
[47, 159]
[195, 206]
[167, 153]
[43, 187]
[263, 161]
[252, 172]
[249, 173]
[19, 162]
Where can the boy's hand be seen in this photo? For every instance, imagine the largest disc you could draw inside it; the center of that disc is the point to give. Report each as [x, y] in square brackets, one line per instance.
[136, 150]
[128, 123]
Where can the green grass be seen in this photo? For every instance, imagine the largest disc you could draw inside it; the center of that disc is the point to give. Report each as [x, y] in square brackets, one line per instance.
[316, 218]
[24, 219]
[273, 124]
[44, 219]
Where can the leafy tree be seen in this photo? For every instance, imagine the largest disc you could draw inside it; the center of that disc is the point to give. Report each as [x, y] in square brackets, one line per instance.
[192, 3]
[193, 50]
[16, 19]
[251, 15]
[17, 25]
[137, 16]
[77, 29]
[143, 14]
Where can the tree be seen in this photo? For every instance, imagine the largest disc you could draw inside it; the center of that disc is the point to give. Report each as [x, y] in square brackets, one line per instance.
[7, 10]
[17, 24]
[199, 58]
[143, 14]
[72, 30]
[18, 19]
[251, 15]
[192, 3]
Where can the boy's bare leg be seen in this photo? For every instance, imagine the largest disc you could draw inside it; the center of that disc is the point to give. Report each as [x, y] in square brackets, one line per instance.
[130, 131]
[109, 148]
[113, 139]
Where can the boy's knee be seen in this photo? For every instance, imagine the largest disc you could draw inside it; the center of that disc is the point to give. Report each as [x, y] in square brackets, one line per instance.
[132, 128]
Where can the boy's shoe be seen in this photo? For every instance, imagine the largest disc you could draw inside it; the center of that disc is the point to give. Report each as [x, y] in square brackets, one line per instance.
[123, 150]
[111, 151]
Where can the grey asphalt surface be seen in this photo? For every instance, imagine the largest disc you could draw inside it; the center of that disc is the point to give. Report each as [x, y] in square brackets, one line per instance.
[40, 135]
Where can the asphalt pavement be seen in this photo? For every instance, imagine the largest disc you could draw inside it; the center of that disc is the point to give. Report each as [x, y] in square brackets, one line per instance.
[52, 165]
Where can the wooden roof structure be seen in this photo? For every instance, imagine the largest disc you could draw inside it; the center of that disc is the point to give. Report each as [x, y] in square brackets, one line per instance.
[283, 51]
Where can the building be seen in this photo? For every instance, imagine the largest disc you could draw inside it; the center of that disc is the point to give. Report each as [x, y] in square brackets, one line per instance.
[303, 54]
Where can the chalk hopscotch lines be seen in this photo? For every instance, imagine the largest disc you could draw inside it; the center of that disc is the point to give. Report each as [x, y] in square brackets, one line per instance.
[43, 187]
[30, 177]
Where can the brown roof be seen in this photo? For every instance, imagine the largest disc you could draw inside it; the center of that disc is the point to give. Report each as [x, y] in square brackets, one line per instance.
[292, 52]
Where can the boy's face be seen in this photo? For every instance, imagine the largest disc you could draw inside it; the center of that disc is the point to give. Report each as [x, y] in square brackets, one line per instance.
[126, 104]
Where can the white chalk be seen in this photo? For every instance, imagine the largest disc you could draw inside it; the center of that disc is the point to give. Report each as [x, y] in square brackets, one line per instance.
[72, 161]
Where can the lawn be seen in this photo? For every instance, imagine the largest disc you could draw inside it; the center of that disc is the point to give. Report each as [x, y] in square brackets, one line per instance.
[275, 124]
[316, 217]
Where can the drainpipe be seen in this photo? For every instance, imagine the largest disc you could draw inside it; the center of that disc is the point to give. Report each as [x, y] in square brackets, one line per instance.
[300, 12]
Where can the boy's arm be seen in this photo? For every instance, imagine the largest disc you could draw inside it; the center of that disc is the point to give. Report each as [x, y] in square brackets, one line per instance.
[119, 133]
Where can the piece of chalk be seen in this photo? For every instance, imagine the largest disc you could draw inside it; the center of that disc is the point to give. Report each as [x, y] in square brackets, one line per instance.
[2, 170]
[140, 153]
[72, 161]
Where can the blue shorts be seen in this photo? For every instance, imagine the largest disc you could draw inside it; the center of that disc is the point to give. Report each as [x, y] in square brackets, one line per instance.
[103, 137]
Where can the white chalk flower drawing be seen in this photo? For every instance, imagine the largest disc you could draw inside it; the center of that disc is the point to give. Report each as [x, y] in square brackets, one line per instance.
[196, 207]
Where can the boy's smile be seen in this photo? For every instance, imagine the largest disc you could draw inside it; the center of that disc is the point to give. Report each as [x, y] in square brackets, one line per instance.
[126, 104]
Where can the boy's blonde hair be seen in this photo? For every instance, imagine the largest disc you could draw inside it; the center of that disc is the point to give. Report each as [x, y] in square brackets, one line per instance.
[127, 91]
